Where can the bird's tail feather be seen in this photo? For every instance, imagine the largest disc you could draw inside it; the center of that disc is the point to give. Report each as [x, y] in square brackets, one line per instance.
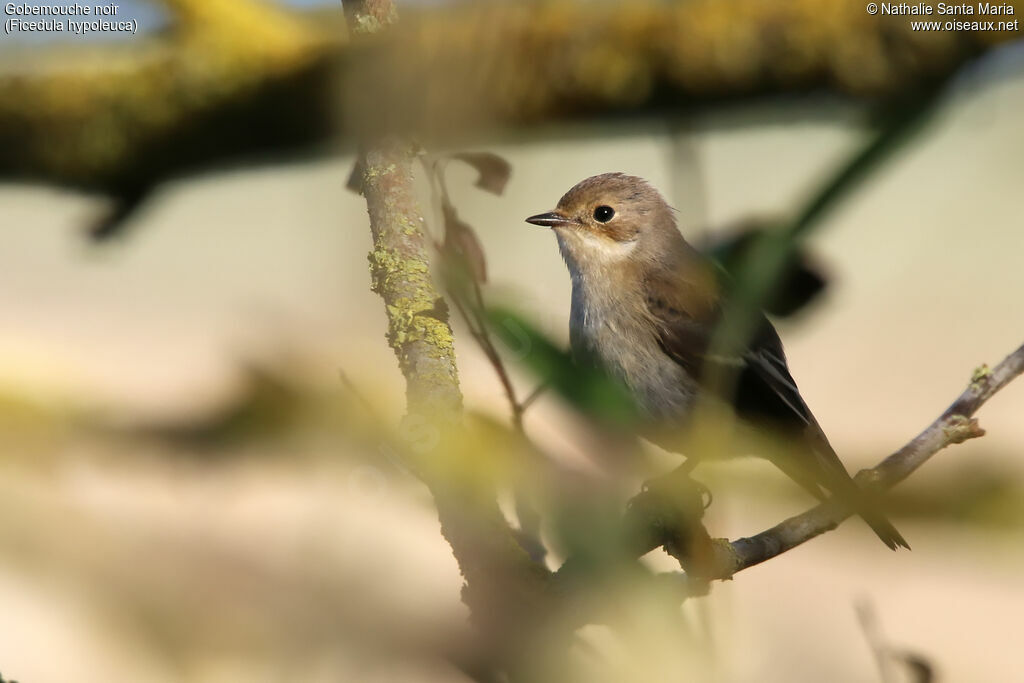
[884, 529]
[832, 476]
[849, 494]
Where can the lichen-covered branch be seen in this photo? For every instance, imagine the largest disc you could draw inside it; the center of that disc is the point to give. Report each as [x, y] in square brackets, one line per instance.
[503, 587]
[418, 328]
[231, 78]
[234, 78]
[491, 65]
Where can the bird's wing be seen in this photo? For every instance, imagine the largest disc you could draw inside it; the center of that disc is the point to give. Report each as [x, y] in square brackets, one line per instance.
[758, 382]
[763, 390]
[683, 323]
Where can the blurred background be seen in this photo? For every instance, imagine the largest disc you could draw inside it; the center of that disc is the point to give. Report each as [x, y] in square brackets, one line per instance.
[192, 486]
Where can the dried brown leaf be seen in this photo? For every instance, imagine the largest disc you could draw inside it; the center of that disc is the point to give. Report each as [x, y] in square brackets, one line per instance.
[494, 170]
[461, 243]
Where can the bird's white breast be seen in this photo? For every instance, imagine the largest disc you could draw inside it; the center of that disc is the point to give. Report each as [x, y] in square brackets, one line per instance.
[609, 323]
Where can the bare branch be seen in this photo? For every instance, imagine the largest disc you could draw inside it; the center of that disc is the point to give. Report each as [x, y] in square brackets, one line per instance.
[955, 425]
[653, 521]
[533, 395]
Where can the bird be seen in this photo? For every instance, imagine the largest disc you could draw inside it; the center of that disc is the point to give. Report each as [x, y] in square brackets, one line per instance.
[644, 307]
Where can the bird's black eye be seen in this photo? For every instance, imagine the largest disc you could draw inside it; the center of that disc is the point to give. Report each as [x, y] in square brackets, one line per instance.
[603, 214]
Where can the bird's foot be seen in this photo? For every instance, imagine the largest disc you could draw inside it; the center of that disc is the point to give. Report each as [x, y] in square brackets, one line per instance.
[679, 482]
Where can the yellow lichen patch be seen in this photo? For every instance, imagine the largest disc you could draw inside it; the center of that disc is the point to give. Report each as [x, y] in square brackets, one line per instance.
[87, 113]
[981, 372]
[386, 264]
[979, 379]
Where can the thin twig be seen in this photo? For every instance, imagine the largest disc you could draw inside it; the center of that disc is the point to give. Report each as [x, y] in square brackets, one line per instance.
[955, 425]
[472, 308]
[478, 330]
[917, 665]
[534, 395]
[873, 636]
[358, 395]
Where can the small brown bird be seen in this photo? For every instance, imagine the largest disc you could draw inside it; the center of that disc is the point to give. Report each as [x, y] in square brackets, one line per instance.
[644, 307]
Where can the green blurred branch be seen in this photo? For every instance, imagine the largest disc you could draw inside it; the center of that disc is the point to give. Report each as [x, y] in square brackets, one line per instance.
[763, 269]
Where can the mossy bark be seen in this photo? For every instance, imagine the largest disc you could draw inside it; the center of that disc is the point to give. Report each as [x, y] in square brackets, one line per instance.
[418, 328]
[504, 589]
[121, 120]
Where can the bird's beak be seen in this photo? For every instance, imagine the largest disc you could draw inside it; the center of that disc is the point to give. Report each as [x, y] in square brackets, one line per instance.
[550, 219]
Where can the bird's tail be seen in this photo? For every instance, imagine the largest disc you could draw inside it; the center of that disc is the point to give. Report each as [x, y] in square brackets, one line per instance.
[849, 494]
[853, 497]
[884, 529]
[828, 473]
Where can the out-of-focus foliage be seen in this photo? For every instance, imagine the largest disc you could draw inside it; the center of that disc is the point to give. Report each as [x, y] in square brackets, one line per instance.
[121, 120]
[293, 541]
[765, 273]
[116, 117]
[233, 79]
[534, 62]
[971, 495]
[583, 386]
[802, 279]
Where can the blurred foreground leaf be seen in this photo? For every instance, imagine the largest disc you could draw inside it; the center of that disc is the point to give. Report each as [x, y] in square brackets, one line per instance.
[761, 272]
[583, 386]
[800, 283]
[122, 121]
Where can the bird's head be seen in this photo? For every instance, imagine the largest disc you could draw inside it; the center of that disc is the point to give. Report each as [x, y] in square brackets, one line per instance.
[610, 219]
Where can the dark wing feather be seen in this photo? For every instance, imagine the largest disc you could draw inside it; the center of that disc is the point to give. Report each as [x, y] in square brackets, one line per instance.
[761, 387]
[757, 383]
[762, 390]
